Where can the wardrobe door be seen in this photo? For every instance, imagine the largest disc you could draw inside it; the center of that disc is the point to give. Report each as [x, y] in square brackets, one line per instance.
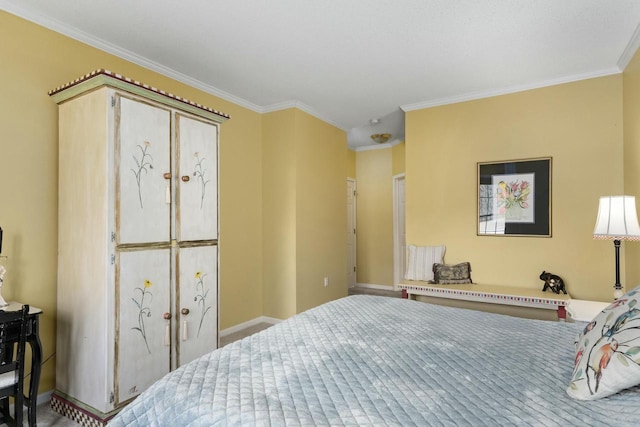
[197, 183]
[143, 172]
[197, 302]
[142, 332]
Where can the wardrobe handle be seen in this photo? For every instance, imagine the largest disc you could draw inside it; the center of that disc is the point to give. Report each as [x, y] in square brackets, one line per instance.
[185, 332]
[167, 191]
[186, 178]
[167, 329]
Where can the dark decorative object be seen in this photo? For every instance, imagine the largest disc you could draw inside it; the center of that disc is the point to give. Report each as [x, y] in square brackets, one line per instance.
[452, 274]
[12, 363]
[553, 282]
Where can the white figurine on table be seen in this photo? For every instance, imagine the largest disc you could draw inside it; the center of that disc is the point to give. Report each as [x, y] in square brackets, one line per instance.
[3, 270]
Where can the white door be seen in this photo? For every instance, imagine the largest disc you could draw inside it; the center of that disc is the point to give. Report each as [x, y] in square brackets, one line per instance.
[142, 349]
[197, 303]
[351, 232]
[399, 232]
[143, 158]
[197, 179]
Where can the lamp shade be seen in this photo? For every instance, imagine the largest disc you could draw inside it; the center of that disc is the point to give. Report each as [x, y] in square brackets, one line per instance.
[617, 219]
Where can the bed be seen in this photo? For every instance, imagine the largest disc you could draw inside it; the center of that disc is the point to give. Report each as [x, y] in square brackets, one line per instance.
[377, 361]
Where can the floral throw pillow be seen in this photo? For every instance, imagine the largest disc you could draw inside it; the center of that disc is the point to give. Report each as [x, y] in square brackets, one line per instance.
[452, 274]
[607, 358]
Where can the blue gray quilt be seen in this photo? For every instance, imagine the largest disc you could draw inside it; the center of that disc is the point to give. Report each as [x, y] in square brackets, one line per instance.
[376, 361]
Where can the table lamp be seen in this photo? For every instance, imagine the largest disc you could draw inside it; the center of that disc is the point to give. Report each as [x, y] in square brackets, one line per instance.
[617, 220]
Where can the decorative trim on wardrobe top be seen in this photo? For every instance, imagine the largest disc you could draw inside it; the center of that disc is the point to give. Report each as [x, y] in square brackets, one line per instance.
[102, 77]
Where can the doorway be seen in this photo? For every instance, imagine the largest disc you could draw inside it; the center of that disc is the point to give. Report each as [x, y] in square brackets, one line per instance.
[351, 232]
[399, 232]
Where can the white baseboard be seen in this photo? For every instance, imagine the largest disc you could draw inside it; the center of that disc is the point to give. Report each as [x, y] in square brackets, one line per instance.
[372, 286]
[248, 324]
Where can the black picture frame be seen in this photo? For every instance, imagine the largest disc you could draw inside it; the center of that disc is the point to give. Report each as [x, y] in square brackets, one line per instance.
[514, 198]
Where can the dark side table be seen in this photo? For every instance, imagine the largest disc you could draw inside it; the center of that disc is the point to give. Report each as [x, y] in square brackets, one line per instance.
[33, 338]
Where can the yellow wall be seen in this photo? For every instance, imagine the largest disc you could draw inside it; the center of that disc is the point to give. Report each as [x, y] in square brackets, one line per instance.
[578, 124]
[35, 60]
[305, 212]
[374, 217]
[321, 209]
[279, 195]
[351, 164]
[631, 95]
[398, 159]
[375, 171]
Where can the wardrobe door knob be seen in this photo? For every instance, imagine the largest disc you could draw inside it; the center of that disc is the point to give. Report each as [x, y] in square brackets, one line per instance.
[166, 316]
[167, 175]
[186, 178]
[184, 311]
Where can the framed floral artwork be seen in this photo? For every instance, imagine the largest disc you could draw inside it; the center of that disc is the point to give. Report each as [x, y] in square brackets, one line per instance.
[514, 198]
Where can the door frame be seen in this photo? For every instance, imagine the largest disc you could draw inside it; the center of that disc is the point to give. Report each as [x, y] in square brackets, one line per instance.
[398, 269]
[354, 217]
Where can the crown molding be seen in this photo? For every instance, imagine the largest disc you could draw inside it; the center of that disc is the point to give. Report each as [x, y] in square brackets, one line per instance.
[15, 9]
[100, 44]
[630, 49]
[304, 107]
[508, 90]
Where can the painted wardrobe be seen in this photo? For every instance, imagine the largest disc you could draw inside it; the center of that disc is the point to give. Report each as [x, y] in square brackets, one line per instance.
[138, 240]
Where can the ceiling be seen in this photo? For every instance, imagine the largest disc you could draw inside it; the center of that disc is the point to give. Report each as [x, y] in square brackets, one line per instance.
[347, 62]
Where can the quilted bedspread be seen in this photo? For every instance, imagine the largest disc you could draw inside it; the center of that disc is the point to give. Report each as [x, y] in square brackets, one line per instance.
[377, 361]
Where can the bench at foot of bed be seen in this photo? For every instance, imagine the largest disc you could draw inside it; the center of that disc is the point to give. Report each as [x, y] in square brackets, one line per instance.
[480, 295]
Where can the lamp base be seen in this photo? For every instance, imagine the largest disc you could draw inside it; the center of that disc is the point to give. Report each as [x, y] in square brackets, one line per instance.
[617, 292]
